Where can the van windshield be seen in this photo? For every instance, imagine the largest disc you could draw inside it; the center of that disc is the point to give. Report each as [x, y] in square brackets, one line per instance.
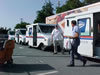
[46, 29]
[11, 33]
[23, 32]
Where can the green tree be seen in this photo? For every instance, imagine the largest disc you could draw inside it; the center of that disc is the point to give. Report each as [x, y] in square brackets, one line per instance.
[86, 2]
[47, 10]
[69, 5]
[21, 25]
[40, 17]
[4, 30]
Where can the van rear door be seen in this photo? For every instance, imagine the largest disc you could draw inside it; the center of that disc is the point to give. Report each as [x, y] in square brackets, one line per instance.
[34, 35]
[96, 34]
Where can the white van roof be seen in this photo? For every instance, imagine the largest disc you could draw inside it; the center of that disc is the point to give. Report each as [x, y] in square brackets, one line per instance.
[90, 11]
[41, 24]
[20, 29]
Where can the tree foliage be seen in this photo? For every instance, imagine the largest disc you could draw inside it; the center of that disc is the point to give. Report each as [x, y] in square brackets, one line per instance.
[21, 25]
[47, 10]
[4, 30]
[86, 2]
[70, 4]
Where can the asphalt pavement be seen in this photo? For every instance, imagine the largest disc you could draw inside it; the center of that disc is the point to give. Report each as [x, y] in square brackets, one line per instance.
[32, 61]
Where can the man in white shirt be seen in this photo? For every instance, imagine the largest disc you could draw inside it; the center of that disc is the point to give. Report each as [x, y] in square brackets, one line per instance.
[57, 39]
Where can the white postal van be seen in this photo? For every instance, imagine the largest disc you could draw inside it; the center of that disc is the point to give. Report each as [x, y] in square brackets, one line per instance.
[90, 31]
[20, 36]
[39, 34]
[11, 35]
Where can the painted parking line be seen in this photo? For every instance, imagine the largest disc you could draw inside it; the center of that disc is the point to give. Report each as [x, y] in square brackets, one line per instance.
[21, 48]
[47, 73]
[41, 61]
[14, 56]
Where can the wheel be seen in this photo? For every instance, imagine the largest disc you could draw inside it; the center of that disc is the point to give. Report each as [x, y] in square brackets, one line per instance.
[27, 43]
[20, 42]
[42, 47]
[30, 46]
[10, 63]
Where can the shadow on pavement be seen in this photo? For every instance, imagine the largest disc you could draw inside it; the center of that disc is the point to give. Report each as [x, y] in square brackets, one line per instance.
[20, 68]
[53, 55]
[94, 65]
[91, 65]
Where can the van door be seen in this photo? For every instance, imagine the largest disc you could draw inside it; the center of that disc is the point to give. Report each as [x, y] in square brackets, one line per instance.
[68, 29]
[96, 34]
[34, 35]
[17, 36]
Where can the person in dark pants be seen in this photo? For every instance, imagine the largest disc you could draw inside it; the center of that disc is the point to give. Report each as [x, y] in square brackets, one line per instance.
[75, 43]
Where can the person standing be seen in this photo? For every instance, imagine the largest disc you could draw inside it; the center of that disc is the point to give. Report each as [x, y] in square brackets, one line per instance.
[57, 39]
[75, 43]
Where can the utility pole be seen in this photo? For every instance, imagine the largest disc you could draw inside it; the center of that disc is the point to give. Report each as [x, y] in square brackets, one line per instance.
[58, 3]
[21, 20]
[45, 2]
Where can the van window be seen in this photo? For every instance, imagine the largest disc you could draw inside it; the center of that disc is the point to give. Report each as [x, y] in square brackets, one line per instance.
[46, 29]
[23, 32]
[30, 31]
[68, 23]
[84, 25]
[11, 33]
[98, 28]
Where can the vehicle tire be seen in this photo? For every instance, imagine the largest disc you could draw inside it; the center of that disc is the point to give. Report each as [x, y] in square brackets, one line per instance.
[42, 47]
[23, 43]
[30, 46]
[15, 41]
[28, 43]
[20, 42]
[10, 63]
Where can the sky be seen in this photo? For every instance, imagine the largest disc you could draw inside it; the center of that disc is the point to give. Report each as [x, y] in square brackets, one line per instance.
[11, 11]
